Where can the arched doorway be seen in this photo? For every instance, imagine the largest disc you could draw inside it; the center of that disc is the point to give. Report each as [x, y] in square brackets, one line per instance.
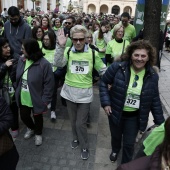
[91, 8]
[115, 9]
[128, 9]
[104, 9]
[20, 4]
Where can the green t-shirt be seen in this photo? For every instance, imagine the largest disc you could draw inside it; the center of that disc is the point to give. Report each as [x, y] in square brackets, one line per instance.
[8, 85]
[29, 20]
[132, 101]
[56, 29]
[154, 139]
[115, 48]
[25, 93]
[100, 43]
[68, 42]
[40, 43]
[49, 55]
[79, 68]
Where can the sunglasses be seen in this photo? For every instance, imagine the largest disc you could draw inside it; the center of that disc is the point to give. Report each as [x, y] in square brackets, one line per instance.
[69, 23]
[78, 39]
[135, 81]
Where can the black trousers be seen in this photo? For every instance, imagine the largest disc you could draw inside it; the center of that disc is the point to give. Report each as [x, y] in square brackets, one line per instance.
[54, 98]
[9, 160]
[36, 123]
[14, 109]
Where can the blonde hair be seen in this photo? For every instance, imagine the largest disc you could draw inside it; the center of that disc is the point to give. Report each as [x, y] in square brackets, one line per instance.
[78, 29]
[116, 28]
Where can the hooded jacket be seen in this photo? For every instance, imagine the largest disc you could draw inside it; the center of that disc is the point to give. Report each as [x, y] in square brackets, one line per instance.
[15, 34]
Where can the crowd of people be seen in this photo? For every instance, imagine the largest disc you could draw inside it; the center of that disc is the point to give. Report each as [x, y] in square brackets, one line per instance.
[40, 53]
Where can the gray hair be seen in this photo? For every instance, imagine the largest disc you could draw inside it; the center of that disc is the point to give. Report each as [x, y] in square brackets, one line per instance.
[78, 29]
[116, 28]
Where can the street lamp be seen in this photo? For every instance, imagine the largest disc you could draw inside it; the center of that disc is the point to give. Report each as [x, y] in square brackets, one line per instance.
[70, 6]
[33, 1]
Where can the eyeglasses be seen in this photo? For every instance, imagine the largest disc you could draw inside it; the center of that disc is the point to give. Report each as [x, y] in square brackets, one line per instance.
[135, 81]
[69, 23]
[78, 39]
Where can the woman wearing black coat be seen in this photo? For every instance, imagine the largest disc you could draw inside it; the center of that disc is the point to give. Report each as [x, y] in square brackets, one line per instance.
[8, 160]
[133, 94]
[8, 64]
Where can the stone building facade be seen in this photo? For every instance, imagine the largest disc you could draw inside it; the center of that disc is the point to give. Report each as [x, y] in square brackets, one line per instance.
[87, 6]
[110, 6]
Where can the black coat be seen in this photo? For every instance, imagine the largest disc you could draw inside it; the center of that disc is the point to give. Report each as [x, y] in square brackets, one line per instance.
[11, 70]
[118, 75]
[6, 116]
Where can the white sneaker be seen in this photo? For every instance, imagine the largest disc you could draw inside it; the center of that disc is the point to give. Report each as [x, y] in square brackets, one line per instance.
[29, 133]
[38, 140]
[53, 116]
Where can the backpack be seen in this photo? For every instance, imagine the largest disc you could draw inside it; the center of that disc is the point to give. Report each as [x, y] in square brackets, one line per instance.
[95, 74]
[61, 72]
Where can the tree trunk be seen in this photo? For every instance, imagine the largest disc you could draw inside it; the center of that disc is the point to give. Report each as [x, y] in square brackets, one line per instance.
[152, 17]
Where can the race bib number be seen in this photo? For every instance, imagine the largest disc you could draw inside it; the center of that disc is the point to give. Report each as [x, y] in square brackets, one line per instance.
[132, 100]
[79, 67]
[10, 89]
[24, 85]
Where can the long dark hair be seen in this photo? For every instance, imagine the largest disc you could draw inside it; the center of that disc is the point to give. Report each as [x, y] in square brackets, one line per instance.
[3, 41]
[34, 32]
[103, 23]
[32, 49]
[52, 39]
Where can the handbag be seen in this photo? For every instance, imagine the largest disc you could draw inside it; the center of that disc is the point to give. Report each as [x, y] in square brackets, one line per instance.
[4, 93]
[6, 143]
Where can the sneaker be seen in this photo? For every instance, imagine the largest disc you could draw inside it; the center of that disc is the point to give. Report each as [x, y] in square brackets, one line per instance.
[84, 154]
[14, 133]
[38, 140]
[53, 116]
[29, 133]
[113, 156]
[74, 144]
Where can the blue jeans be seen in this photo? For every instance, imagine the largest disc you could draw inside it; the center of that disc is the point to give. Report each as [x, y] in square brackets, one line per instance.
[128, 129]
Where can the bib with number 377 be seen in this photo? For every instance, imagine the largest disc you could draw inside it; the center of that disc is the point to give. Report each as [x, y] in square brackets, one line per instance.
[79, 67]
[132, 100]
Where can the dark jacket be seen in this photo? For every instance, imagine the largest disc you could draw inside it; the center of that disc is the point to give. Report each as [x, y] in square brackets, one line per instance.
[6, 117]
[118, 75]
[11, 71]
[15, 34]
[40, 81]
[152, 162]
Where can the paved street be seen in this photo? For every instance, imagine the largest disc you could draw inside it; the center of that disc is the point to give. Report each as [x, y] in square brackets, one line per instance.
[56, 152]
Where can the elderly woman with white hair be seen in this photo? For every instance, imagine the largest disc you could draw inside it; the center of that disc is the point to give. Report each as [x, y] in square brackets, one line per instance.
[117, 46]
[77, 88]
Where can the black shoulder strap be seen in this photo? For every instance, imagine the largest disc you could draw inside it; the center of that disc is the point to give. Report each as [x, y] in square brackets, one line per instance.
[123, 46]
[93, 54]
[68, 52]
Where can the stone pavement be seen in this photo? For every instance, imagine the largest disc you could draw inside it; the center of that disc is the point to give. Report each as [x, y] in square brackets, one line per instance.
[56, 153]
